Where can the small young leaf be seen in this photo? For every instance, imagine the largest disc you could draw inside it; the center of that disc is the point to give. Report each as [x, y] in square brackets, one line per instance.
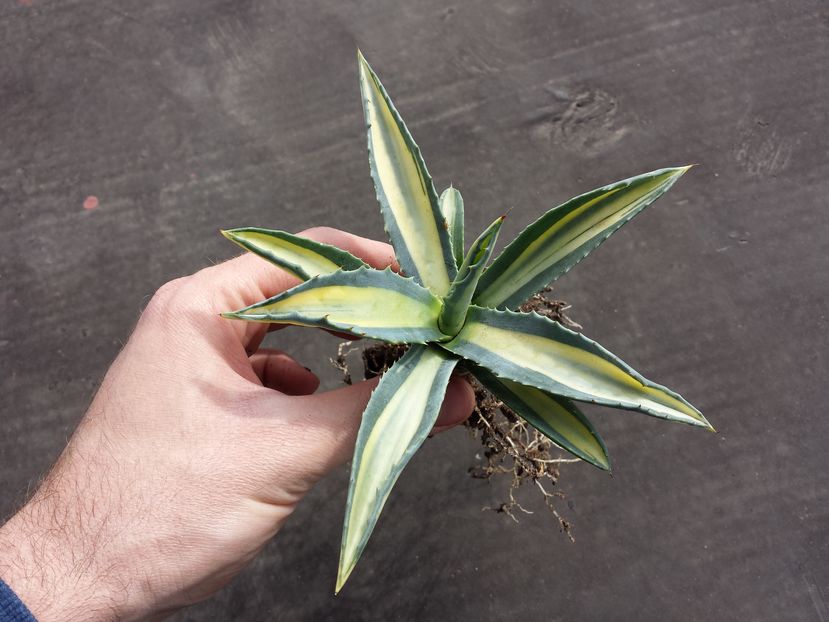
[565, 235]
[300, 256]
[451, 206]
[538, 352]
[400, 414]
[554, 416]
[456, 302]
[363, 302]
[407, 196]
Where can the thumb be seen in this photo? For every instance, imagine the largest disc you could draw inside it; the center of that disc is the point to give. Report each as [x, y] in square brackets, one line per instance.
[337, 415]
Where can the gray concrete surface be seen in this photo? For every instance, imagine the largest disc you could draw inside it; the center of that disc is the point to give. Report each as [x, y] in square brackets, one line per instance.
[185, 117]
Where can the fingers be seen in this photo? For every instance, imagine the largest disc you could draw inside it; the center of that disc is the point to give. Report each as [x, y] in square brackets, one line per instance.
[279, 371]
[337, 414]
[374, 253]
[247, 279]
[457, 404]
[254, 335]
[244, 280]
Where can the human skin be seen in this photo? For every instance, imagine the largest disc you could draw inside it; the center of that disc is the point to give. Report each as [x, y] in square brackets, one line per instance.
[194, 452]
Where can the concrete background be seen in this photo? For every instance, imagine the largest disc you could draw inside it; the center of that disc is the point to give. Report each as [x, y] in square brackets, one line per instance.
[184, 117]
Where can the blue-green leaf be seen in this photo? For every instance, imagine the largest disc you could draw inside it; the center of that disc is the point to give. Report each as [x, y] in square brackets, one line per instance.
[363, 302]
[565, 235]
[399, 416]
[456, 302]
[554, 416]
[408, 201]
[451, 206]
[300, 256]
[538, 352]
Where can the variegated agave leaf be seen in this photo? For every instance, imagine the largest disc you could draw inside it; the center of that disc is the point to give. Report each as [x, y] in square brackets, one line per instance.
[300, 256]
[538, 352]
[400, 414]
[456, 302]
[407, 196]
[363, 302]
[565, 235]
[451, 206]
[554, 416]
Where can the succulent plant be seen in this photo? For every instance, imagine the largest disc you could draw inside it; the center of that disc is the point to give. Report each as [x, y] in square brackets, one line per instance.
[456, 311]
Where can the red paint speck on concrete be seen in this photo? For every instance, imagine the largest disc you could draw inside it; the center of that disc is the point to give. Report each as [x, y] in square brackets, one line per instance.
[25, 2]
[91, 202]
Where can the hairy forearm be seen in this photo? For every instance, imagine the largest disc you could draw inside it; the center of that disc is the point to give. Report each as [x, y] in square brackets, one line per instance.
[53, 553]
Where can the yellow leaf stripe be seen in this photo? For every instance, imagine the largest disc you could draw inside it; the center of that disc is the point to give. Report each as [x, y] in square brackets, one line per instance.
[565, 235]
[535, 351]
[399, 416]
[363, 302]
[405, 191]
[554, 416]
[300, 256]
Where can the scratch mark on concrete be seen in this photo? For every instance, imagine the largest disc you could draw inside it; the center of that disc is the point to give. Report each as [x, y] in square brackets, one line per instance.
[589, 123]
[817, 598]
[762, 150]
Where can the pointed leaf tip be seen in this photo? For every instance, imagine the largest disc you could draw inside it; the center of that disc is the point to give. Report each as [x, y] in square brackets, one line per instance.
[538, 352]
[451, 206]
[400, 414]
[408, 200]
[231, 235]
[379, 304]
[557, 418]
[300, 256]
[563, 236]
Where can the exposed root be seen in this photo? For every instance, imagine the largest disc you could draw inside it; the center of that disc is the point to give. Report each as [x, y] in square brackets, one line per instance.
[378, 358]
[514, 448]
[511, 446]
[550, 307]
[341, 362]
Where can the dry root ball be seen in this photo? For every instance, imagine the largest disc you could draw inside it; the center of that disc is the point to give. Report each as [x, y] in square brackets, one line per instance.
[512, 448]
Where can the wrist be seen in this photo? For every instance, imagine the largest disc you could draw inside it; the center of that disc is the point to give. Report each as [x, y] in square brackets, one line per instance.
[51, 568]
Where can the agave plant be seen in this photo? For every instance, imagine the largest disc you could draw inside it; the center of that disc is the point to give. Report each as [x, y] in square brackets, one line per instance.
[456, 311]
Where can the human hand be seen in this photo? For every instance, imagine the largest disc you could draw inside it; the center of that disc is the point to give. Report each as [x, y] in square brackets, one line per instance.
[194, 452]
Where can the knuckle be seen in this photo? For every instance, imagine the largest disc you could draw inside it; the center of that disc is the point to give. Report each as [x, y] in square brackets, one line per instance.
[165, 300]
[323, 234]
